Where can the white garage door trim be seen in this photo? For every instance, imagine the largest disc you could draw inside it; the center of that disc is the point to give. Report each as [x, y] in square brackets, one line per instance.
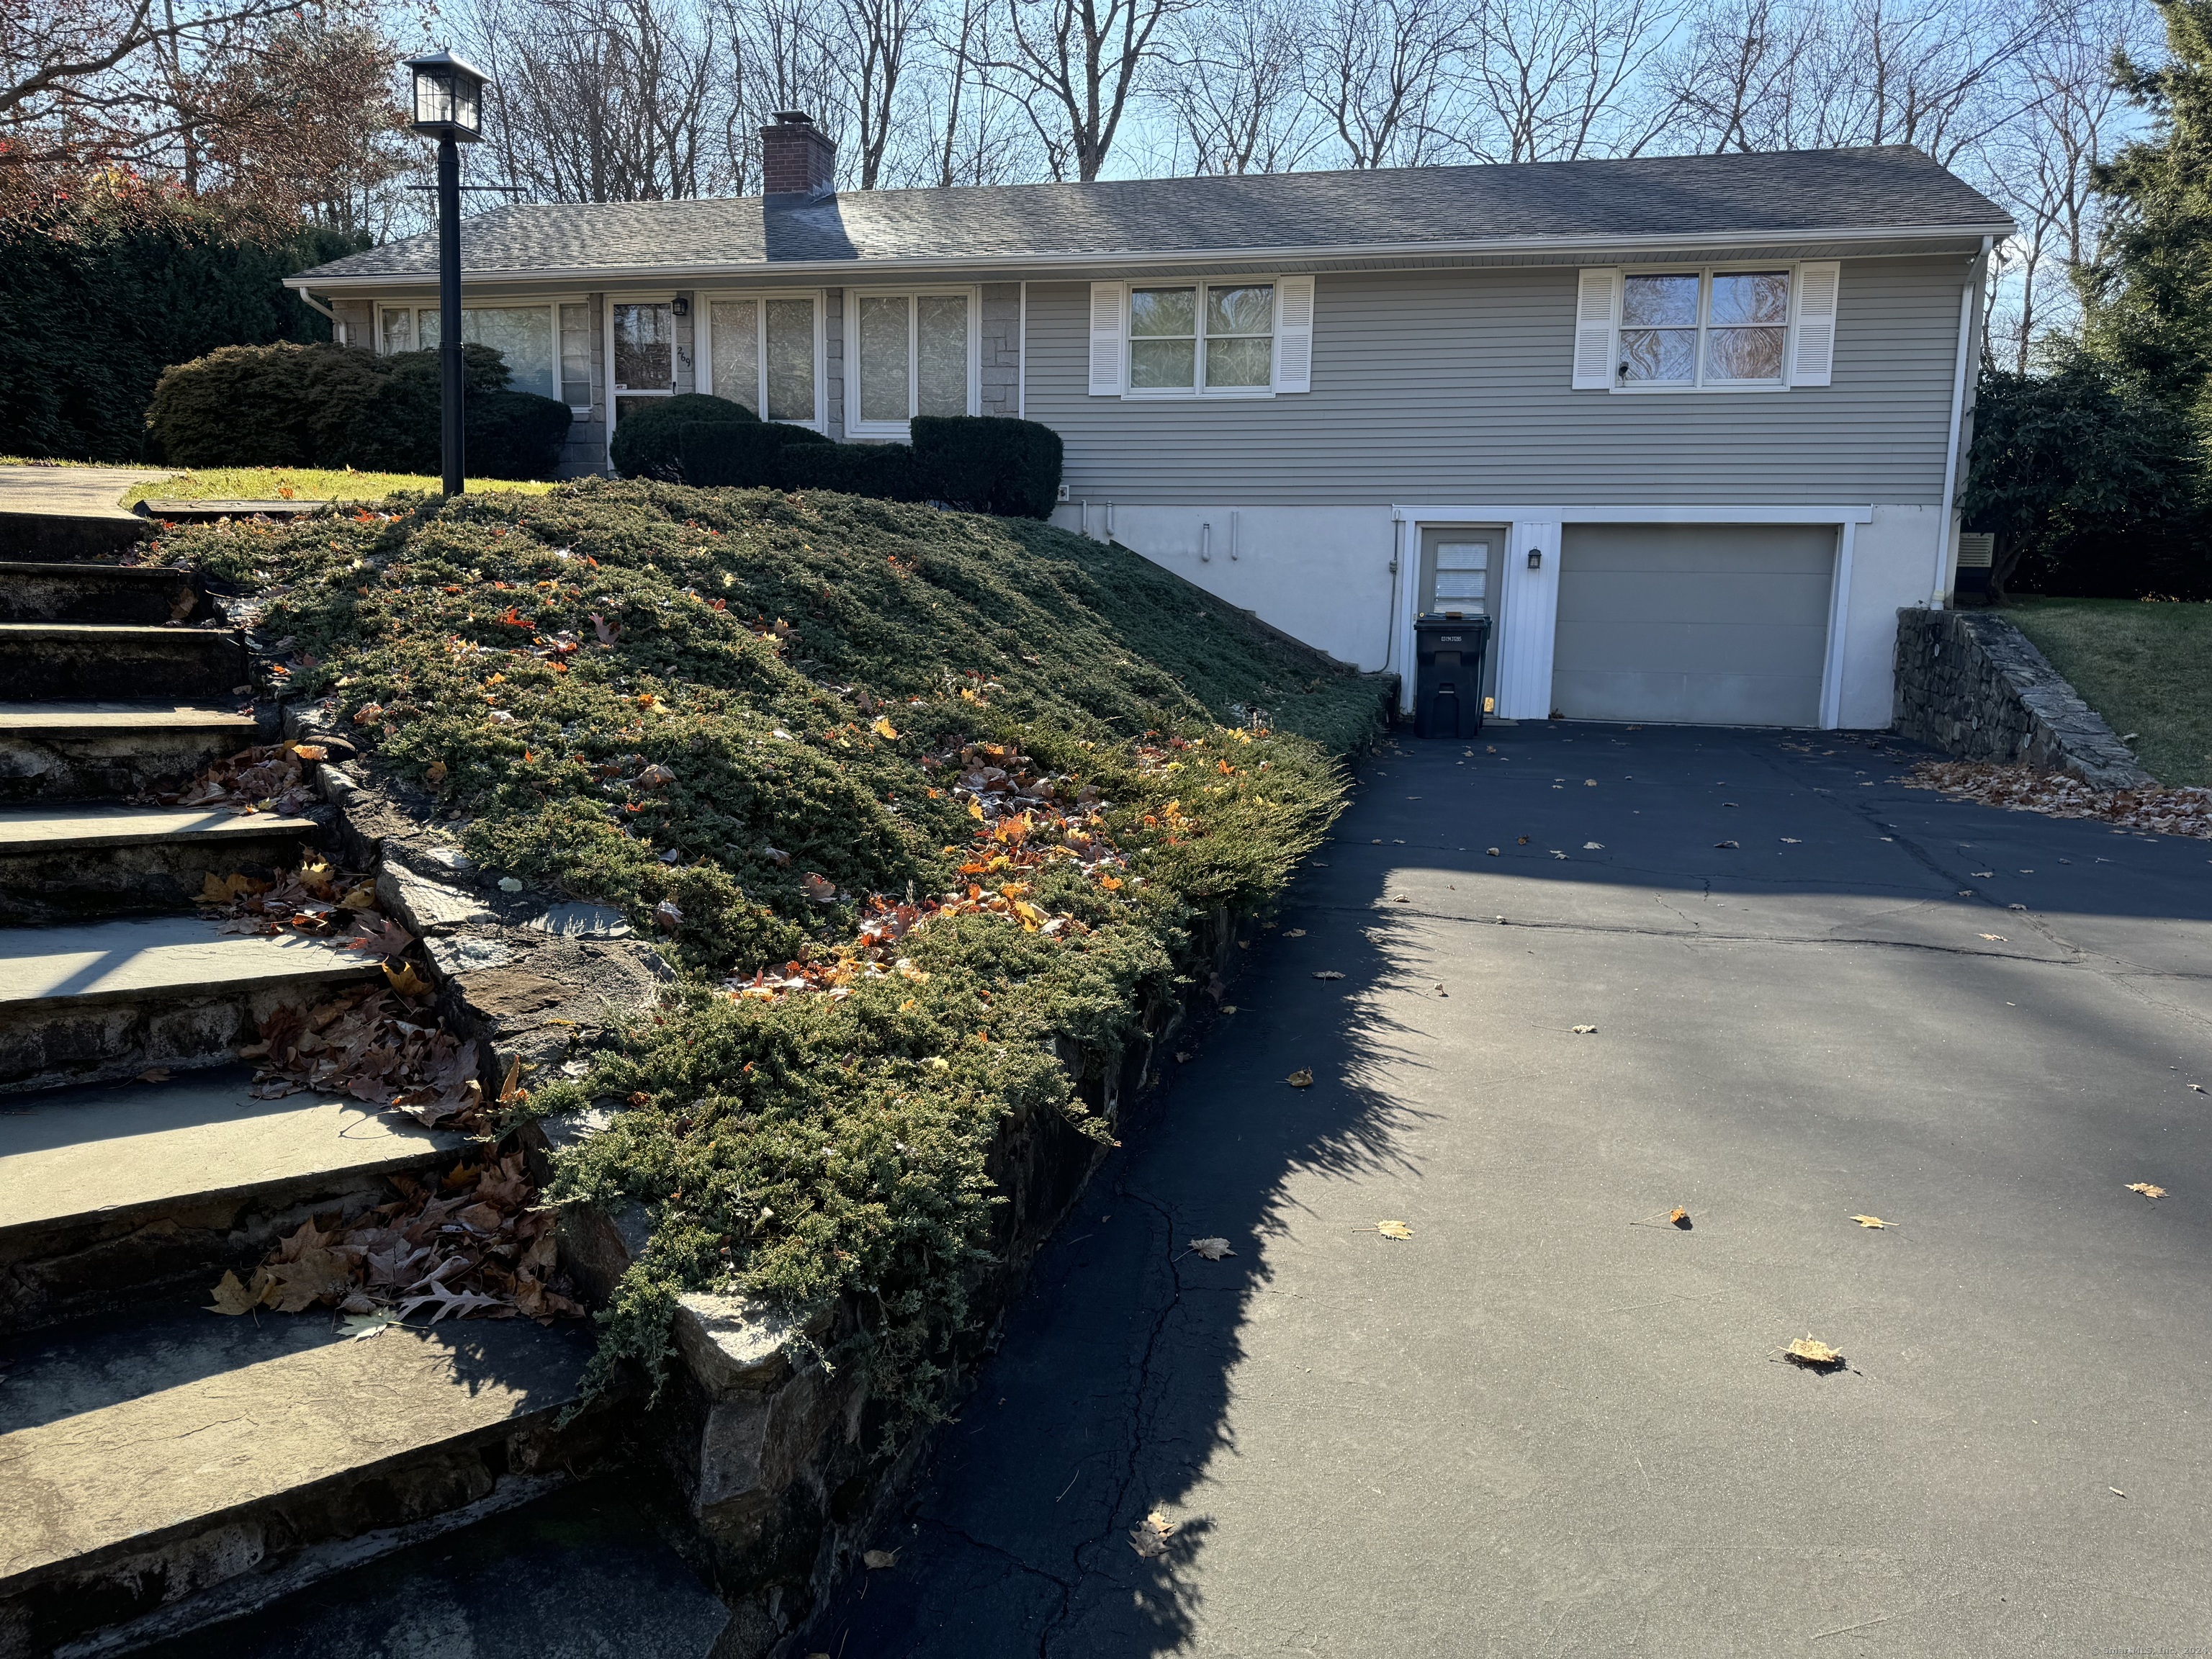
[1526, 631]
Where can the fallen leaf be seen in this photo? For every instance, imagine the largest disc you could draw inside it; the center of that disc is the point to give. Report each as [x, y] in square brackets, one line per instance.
[2146, 1189]
[1585, 1030]
[1294, 932]
[1727, 843]
[877, 1561]
[1593, 847]
[1994, 939]
[1814, 1356]
[1870, 1221]
[1792, 841]
[2197, 1088]
[1149, 1537]
[818, 888]
[232, 1296]
[1678, 1216]
[1211, 1248]
[1492, 851]
[883, 727]
[1394, 1229]
[405, 979]
[1328, 972]
[154, 1074]
[668, 914]
[358, 1327]
[435, 772]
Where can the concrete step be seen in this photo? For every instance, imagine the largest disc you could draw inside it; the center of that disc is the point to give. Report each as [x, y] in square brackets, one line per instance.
[60, 862]
[99, 593]
[42, 660]
[108, 534]
[117, 1192]
[160, 1456]
[106, 1001]
[66, 750]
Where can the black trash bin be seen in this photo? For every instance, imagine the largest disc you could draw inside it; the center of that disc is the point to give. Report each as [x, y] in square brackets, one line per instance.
[1447, 653]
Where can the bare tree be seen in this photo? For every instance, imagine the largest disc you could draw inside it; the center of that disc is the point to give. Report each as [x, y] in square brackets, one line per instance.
[1380, 73]
[1079, 63]
[1234, 80]
[877, 35]
[1558, 80]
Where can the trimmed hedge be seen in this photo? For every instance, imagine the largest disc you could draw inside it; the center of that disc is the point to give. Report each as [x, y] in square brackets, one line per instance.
[988, 462]
[884, 471]
[739, 455]
[332, 406]
[649, 444]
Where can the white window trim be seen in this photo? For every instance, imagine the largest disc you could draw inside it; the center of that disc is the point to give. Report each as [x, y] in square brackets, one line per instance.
[900, 431]
[1198, 388]
[702, 347]
[607, 334]
[1706, 275]
[551, 306]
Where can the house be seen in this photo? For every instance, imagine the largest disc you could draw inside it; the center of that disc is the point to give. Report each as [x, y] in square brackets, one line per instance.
[1686, 428]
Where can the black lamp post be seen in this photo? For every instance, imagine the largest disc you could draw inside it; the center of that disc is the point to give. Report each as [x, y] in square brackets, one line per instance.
[448, 106]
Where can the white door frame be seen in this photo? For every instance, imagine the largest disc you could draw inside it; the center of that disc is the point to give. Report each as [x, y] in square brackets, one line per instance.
[1529, 620]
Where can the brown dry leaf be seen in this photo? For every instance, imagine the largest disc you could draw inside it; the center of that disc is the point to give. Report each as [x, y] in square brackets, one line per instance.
[1328, 973]
[234, 1297]
[1814, 1356]
[435, 771]
[877, 1561]
[1149, 1537]
[405, 979]
[2146, 1189]
[883, 727]
[1585, 1030]
[1996, 938]
[294, 1285]
[1678, 1216]
[1211, 1248]
[154, 1074]
[1301, 1079]
[1394, 1229]
[510, 1086]
[1871, 1221]
[1294, 932]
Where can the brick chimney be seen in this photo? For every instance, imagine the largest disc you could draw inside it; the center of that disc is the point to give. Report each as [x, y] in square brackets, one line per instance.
[797, 157]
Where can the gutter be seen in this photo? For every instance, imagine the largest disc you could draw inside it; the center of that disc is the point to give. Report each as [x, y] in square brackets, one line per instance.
[864, 268]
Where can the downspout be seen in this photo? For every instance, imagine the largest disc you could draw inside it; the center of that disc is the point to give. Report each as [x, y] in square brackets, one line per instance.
[338, 328]
[1967, 294]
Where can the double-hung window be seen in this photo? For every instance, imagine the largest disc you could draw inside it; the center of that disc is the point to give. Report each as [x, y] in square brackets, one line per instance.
[547, 351]
[764, 350]
[1706, 330]
[908, 354]
[642, 350]
[1205, 338]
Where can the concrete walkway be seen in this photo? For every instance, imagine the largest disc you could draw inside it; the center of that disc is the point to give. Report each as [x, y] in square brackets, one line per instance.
[1550, 1423]
[89, 491]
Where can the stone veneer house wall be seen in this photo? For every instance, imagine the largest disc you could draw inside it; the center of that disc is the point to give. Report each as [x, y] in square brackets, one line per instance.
[1688, 429]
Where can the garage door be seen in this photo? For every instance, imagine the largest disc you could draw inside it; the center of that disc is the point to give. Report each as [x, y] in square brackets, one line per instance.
[1701, 625]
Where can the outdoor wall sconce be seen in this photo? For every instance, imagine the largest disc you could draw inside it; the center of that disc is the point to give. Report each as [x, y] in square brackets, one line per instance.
[1535, 558]
[680, 307]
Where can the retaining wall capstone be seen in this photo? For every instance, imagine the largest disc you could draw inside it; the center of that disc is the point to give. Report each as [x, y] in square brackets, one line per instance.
[1970, 683]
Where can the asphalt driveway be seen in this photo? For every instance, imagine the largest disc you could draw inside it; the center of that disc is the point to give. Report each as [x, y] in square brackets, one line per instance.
[1549, 1422]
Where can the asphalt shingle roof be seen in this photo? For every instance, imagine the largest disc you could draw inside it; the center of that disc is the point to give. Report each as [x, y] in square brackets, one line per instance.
[1893, 188]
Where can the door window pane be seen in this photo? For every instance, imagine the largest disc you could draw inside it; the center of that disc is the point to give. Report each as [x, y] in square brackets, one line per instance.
[576, 355]
[885, 394]
[941, 322]
[523, 335]
[1462, 574]
[733, 367]
[790, 359]
[645, 354]
[1162, 338]
[399, 330]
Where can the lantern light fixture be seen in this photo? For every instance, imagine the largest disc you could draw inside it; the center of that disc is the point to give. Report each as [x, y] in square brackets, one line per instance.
[448, 97]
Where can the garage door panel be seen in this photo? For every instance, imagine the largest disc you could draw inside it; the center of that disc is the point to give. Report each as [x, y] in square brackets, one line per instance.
[1689, 598]
[1699, 625]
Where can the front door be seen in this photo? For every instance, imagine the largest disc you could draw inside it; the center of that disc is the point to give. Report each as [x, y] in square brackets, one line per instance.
[1463, 574]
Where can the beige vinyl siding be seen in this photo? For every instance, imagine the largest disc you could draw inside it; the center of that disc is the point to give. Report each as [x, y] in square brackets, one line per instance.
[1452, 386]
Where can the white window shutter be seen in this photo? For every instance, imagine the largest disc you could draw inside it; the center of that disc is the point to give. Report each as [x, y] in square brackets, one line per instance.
[1106, 339]
[1816, 323]
[1294, 320]
[1594, 355]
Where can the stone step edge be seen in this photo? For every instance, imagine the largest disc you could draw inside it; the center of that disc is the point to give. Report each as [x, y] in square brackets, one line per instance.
[239, 826]
[236, 1598]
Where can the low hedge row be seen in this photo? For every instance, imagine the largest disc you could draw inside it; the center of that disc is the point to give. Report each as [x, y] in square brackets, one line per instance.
[986, 464]
[336, 406]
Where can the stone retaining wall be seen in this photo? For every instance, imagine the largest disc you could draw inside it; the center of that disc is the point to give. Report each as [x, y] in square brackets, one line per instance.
[1970, 683]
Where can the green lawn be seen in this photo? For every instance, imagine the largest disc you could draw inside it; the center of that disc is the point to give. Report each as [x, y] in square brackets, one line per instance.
[256, 484]
[2145, 667]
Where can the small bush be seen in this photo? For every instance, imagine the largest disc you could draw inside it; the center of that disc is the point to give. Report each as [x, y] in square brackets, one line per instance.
[988, 462]
[886, 471]
[738, 455]
[648, 443]
[332, 406]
